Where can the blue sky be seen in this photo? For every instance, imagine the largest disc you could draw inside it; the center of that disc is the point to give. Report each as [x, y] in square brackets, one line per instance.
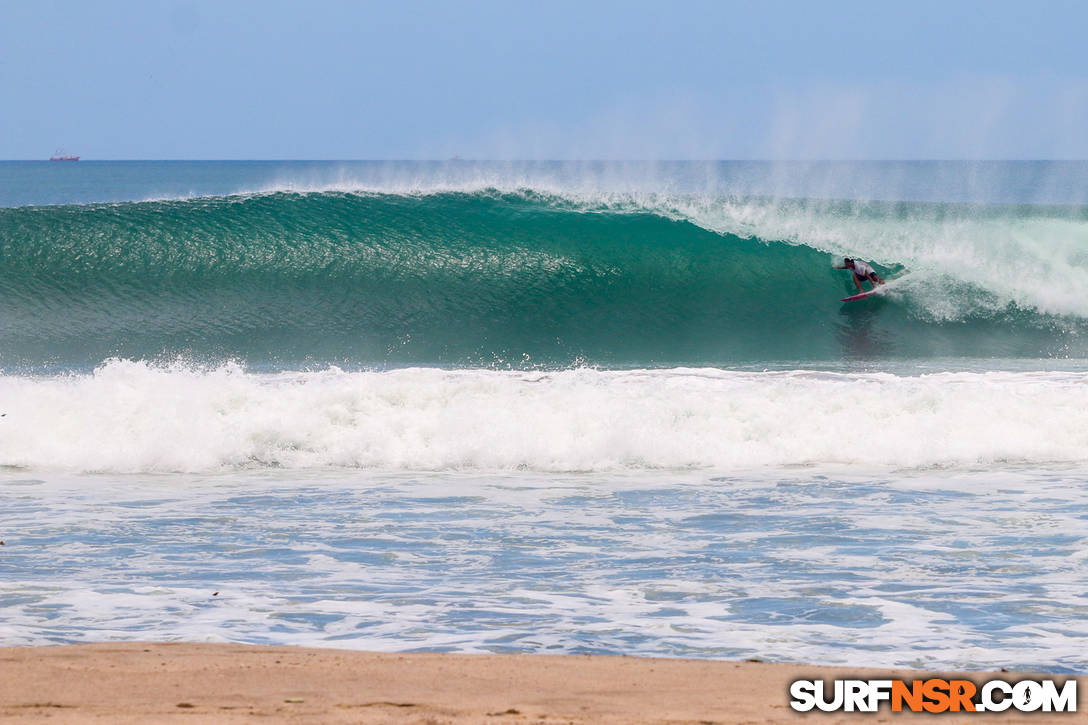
[406, 80]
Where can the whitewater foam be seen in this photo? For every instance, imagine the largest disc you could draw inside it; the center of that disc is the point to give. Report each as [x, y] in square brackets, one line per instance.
[136, 417]
[984, 258]
[950, 570]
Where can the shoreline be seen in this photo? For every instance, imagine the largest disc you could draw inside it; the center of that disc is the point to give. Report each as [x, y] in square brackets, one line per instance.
[152, 682]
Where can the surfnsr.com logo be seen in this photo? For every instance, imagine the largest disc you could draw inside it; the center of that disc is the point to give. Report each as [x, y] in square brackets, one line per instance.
[934, 695]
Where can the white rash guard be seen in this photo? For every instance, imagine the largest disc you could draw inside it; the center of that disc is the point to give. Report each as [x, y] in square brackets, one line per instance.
[861, 269]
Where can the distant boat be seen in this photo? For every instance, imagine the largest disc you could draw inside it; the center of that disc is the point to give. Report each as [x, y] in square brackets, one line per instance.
[63, 156]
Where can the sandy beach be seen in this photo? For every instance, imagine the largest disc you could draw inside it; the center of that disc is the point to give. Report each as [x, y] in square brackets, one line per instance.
[225, 683]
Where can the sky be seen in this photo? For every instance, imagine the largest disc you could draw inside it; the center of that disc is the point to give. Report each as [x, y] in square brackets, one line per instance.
[510, 79]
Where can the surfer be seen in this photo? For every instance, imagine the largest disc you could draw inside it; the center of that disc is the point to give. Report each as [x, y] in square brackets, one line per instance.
[861, 271]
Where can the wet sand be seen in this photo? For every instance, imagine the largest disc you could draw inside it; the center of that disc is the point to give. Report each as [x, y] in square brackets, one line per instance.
[229, 683]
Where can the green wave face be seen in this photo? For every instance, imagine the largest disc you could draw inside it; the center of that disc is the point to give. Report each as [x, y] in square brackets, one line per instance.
[497, 279]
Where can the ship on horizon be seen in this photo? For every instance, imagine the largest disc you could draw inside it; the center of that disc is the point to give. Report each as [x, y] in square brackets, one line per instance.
[60, 155]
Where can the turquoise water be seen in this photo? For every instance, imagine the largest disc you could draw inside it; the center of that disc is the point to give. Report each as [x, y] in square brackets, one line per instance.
[487, 278]
[548, 407]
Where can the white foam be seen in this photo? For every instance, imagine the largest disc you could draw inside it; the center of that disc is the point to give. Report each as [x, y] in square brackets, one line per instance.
[950, 570]
[138, 417]
[983, 258]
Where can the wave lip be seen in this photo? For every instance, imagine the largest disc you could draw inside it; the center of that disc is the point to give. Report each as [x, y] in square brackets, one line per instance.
[135, 417]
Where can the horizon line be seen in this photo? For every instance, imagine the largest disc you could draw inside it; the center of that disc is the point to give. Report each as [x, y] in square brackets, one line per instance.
[564, 161]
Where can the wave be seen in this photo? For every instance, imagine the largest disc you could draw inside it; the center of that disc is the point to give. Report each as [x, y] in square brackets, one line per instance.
[136, 417]
[498, 278]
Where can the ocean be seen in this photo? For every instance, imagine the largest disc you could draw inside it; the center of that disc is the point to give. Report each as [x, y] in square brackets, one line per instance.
[549, 407]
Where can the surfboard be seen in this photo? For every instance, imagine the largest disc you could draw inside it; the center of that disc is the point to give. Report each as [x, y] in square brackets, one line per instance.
[879, 289]
[860, 296]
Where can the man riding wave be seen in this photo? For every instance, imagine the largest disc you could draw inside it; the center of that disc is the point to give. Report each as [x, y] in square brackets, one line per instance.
[862, 272]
